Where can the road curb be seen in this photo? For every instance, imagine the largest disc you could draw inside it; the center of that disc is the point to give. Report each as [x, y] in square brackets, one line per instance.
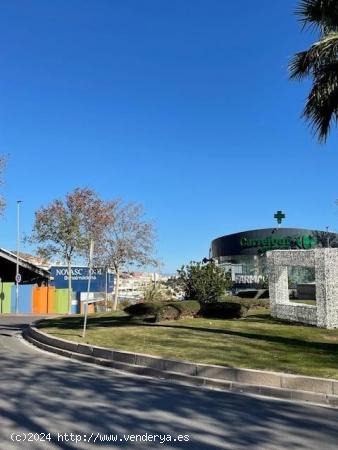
[272, 384]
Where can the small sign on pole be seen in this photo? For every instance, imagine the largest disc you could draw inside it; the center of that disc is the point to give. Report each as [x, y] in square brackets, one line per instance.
[18, 278]
[85, 305]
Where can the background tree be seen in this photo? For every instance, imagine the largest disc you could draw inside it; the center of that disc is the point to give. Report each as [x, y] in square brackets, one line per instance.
[127, 240]
[158, 292]
[320, 63]
[65, 227]
[205, 282]
[175, 287]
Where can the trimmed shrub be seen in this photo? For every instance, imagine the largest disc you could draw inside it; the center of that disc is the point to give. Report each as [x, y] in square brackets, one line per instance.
[164, 311]
[248, 302]
[188, 307]
[144, 309]
[168, 312]
[224, 310]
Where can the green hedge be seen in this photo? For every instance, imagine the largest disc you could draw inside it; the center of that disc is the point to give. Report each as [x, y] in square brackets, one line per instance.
[164, 310]
[168, 312]
[188, 307]
[224, 310]
[228, 308]
[144, 309]
[248, 302]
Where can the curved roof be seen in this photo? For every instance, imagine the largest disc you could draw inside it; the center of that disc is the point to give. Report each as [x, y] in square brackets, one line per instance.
[255, 242]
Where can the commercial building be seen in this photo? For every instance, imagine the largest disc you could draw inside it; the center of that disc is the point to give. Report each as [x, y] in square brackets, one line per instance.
[132, 284]
[243, 254]
[44, 287]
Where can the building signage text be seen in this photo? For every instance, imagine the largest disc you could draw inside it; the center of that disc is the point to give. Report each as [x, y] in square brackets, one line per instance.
[100, 280]
[279, 242]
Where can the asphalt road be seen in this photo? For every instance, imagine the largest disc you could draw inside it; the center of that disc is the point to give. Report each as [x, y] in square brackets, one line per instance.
[43, 396]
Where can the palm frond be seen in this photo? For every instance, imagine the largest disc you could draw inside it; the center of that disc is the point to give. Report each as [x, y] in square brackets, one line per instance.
[322, 14]
[322, 103]
[320, 53]
[300, 65]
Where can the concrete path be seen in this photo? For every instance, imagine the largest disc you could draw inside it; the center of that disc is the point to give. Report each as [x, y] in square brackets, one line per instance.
[42, 394]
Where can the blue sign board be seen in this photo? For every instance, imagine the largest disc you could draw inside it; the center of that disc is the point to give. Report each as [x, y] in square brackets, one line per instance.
[101, 280]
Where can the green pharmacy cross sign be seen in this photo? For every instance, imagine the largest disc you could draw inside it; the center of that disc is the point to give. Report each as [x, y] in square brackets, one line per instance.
[279, 216]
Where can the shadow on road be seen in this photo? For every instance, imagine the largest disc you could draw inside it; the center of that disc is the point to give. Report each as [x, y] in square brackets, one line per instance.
[42, 394]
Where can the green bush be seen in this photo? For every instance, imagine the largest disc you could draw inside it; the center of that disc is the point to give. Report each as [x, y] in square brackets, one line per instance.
[164, 311]
[224, 310]
[144, 309]
[167, 312]
[188, 307]
[248, 302]
[203, 281]
[154, 293]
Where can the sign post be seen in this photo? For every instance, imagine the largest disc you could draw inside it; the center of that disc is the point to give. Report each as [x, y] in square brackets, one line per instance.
[17, 274]
[85, 304]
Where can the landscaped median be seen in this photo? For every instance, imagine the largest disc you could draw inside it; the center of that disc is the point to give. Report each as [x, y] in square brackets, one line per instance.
[206, 352]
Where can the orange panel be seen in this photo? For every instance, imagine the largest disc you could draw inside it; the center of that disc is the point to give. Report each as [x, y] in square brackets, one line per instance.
[50, 300]
[40, 300]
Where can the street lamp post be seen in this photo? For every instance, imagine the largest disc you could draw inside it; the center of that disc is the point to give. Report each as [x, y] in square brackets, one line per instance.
[17, 274]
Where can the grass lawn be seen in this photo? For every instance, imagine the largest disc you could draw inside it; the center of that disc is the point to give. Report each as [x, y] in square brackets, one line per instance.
[256, 342]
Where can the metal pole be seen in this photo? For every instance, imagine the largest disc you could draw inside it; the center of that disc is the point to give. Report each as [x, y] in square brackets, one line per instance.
[106, 288]
[17, 272]
[91, 249]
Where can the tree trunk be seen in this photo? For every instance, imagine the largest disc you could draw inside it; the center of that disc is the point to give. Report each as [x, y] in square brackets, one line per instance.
[116, 293]
[69, 286]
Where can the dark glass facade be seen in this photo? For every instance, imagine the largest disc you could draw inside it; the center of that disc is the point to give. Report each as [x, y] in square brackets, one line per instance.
[244, 253]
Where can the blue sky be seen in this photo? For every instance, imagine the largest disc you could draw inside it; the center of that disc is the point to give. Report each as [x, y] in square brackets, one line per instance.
[182, 105]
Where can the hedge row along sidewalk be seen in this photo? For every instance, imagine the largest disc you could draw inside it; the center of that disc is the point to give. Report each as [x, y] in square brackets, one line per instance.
[284, 386]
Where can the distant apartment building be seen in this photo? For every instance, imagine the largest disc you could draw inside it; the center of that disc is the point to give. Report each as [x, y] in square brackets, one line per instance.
[132, 284]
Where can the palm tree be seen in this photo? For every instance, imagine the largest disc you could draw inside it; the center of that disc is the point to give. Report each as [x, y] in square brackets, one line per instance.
[320, 62]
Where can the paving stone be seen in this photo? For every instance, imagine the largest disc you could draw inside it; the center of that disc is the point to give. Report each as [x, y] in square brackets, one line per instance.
[307, 384]
[180, 367]
[217, 372]
[125, 357]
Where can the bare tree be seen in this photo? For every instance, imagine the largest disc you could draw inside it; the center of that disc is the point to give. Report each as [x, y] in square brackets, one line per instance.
[65, 227]
[127, 240]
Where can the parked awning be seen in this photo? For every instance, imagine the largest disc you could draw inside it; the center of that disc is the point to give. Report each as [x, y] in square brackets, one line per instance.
[30, 273]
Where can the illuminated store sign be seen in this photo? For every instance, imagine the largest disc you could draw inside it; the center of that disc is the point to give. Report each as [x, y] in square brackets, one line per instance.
[279, 242]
